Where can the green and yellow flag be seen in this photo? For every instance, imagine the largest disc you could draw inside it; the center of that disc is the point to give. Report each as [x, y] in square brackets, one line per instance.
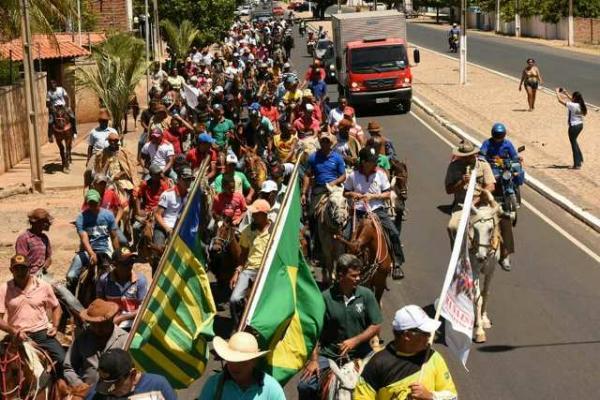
[176, 320]
[287, 308]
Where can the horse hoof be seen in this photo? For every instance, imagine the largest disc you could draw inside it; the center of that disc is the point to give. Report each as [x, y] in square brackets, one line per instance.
[487, 324]
[480, 338]
[66, 170]
[397, 274]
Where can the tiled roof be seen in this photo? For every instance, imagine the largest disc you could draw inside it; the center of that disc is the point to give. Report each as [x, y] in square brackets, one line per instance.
[63, 45]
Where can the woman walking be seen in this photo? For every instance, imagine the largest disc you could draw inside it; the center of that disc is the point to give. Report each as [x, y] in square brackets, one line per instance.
[577, 110]
[532, 79]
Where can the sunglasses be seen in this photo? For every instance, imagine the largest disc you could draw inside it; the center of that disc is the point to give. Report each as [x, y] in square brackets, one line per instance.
[418, 332]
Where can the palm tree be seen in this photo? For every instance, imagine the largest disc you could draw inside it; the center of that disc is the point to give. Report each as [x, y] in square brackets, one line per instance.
[179, 38]
[43, 14]
[121, 64]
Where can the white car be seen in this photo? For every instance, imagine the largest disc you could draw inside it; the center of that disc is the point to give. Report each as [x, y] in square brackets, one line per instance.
[243, 10]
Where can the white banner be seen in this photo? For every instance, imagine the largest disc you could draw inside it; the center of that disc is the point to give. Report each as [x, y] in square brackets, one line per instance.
[190, 95]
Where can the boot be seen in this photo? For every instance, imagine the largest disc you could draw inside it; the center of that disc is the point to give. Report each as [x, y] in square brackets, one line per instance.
[505, 264]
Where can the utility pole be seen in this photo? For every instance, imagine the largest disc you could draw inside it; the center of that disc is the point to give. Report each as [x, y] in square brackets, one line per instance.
[517, 19]
[571, 38]
[158, 47]
[147, 34]
[463, 42]
[497, 16]
[339, 6]
[37, 179]
[79, 20]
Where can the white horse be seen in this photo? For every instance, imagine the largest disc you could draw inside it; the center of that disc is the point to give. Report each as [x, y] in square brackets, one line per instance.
[484, 251]
[340, 383]
[332, 215]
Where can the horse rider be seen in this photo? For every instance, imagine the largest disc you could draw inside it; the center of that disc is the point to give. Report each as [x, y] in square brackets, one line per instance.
[270, 192]
[229, 203]
[57, 97]
[98, 137]
[203, 150]
[352, 319]
[158, 151]
[25, 302]
[100, 335]
[97, 230]
[498, 146]
[147, 195]
[369, 188]
[374, 130]
[347, 145]
[115, 162]
[241, 373]
[34, 243]
[253, 242]
[111, 201]
[326, 168]
[119, 379]
[124, 287]
[457, 179]
[258, 132]
[407, 366]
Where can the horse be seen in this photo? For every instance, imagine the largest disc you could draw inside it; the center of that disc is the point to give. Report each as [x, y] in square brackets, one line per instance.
[369, 243]
[484, 251]
[399, 184]
[86, 287]
[145, 246]
[339, 382]
[62, 130]
[331, 214]
[25, 371]
[255, 169]
[224, 252]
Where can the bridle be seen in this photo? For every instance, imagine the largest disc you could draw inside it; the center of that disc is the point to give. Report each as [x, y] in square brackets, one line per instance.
[223, 242]
[5, 362]
[492, 246]
[380, 255]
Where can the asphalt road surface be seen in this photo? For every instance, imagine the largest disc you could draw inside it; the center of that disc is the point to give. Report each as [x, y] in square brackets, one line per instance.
[559, 68]
[545, 339]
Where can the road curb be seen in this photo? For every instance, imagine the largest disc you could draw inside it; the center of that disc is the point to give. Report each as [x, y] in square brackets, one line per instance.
[562, 201]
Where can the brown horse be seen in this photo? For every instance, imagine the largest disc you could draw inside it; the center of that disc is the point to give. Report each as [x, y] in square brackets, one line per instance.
[25, 371]
[368, 242]
[399, 183]
[62, 130]
[86, 287]
[225, 252]
[145, 246]
[255, 169]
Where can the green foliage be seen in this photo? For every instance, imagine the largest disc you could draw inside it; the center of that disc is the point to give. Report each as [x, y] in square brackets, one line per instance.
[550, 10]
[179, 37]
[121, 64]
[5, 72]
[43, 13]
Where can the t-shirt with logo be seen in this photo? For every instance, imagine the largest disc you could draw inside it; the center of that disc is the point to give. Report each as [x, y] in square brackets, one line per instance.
[173, 203]
[128, 296]
[98, 228]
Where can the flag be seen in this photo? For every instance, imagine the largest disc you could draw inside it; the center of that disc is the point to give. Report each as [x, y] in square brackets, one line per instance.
[175, 325]
[455, 303]
[287, 309]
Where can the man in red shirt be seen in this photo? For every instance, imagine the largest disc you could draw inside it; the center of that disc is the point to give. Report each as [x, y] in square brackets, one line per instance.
[229, 203]
[307, 125]
[267, 109]
[202, 151]
[314, 73]
[147, 195]
[34, 243]
[308, 98]
[177, 133]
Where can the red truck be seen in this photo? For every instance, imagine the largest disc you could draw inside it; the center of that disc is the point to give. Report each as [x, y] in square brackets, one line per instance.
[372, 58]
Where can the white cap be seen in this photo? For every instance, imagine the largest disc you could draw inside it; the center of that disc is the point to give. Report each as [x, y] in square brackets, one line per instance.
[268, 187]
[218, 89]
[413, 317]
[231, 159]
[309, 107]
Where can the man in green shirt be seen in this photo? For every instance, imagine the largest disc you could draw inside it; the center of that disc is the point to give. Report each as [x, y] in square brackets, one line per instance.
[352, 318]
[242, 184]
[220, 127]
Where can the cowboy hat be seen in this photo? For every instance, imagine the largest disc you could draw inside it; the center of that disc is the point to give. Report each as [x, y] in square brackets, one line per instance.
[465, 149]
[374, 126]
[99, 311]
[242, 346]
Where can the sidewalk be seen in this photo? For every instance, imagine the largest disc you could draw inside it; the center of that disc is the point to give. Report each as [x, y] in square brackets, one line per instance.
[490, 98]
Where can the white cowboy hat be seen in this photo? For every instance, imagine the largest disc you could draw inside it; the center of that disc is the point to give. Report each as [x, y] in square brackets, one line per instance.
[242, 346]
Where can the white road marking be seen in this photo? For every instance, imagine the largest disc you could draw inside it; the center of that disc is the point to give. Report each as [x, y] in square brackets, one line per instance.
[530, 206]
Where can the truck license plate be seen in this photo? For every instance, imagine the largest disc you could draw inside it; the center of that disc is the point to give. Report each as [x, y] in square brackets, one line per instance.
[381, 100]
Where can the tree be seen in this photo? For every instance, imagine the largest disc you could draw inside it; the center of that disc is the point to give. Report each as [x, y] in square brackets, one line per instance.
[43, 13]
[179, 38]
[121, 64]
[549, 10]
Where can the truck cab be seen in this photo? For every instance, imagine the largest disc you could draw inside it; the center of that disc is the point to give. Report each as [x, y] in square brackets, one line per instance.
[378, 72]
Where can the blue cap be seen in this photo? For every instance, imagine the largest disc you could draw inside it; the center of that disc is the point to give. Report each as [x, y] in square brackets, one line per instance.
[205, 138]
[255, 106]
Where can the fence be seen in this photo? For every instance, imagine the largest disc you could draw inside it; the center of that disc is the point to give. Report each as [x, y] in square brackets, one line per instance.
[14, 136]
[587, 30]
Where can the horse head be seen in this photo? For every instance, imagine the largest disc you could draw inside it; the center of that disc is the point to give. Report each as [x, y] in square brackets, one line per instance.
[484, 230]
[399, 173]
[24, 369]
[337, 207]
[345, 379]
[223, 236]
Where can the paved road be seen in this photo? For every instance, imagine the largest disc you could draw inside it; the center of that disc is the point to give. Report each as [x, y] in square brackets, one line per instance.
[545, 339]
[560, 68]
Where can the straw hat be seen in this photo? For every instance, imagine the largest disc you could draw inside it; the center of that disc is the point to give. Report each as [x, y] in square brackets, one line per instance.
[242, 346]
[465, 149]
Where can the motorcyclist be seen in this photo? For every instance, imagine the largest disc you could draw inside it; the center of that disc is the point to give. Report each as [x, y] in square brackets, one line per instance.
[454, 31]
[499, 146]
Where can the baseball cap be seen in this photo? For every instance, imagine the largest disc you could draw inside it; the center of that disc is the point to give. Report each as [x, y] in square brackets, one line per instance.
[413, 317]
[92, 195]
[205, 138]
[124, 256]
[19, 260]
[269, 186]
[156, 133]
[254, 106]
[367, 154]
[155, 169]
[260, 206]
[231, 159]
[187, 174]
[114, 365]
[309, 107]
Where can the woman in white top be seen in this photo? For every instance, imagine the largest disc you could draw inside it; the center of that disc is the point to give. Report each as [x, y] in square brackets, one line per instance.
[577, 110]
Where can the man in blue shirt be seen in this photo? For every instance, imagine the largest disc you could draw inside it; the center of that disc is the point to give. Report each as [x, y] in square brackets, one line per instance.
[241, 379]
[97, 230]
[119, 379]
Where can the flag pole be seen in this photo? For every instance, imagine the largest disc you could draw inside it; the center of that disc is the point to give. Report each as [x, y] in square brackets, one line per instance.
[456, 250]
[284, 204]
[161, 263]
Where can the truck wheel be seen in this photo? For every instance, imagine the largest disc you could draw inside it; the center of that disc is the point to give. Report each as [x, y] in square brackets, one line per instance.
[406, 104]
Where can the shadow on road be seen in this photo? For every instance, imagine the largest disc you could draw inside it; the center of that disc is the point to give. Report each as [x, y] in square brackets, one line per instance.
[499, 348]
[52, 168]
[445, 209]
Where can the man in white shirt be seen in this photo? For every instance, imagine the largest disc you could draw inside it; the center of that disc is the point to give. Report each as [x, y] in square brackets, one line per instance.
[196, 56]
[158, 76]
[98, 137]
[369, 187]
[159, 152]
[57, 96]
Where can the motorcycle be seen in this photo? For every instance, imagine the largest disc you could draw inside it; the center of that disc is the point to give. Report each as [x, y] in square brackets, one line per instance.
[310, 43]
[302, 28]
[509, 176]
[454, 43]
